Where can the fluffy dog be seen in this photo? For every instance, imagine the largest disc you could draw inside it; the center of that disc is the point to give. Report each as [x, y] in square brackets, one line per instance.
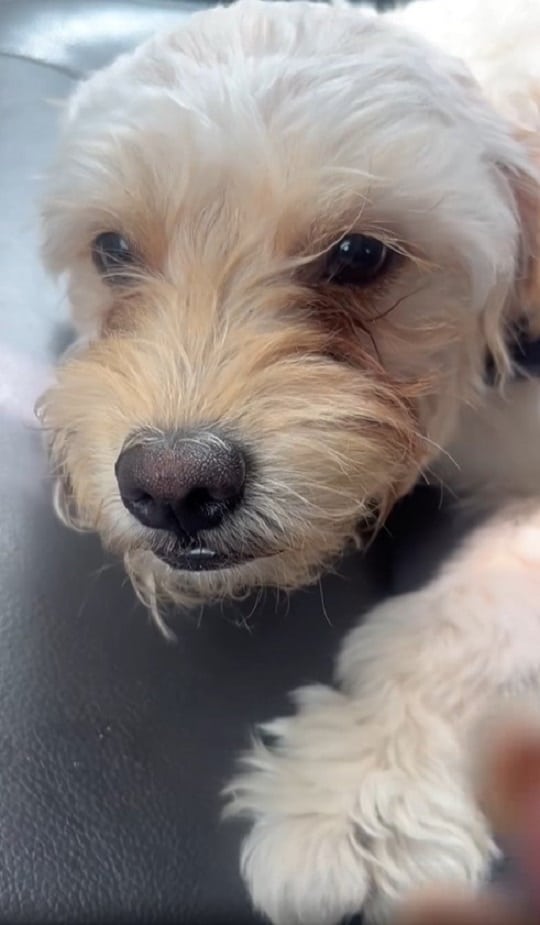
[295, 236]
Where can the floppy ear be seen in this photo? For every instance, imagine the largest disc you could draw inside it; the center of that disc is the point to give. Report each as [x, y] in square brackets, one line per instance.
[516, 95]
[493, 57]
[510, 127]
[518, 164]
[527, 192]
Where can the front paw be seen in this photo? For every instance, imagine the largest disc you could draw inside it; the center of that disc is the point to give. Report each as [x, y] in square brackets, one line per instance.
[304, 869]
[350, 815]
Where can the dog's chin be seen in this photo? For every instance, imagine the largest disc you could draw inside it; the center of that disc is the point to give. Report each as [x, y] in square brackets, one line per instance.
[203, 575]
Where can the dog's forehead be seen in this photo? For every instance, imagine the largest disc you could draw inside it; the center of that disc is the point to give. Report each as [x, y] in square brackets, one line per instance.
[265, 90]
[277, 114]
[286, 70]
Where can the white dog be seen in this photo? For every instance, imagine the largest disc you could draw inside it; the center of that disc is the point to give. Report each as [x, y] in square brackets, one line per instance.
[296, 236]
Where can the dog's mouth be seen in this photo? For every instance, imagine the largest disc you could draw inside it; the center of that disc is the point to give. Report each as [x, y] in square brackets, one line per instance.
[200, 559]
[203, 558]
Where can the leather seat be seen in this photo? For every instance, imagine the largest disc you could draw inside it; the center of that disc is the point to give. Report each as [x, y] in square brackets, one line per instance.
[114, 744]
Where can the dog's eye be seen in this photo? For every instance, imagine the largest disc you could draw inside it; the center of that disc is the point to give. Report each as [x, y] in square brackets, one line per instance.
[356, 259]
[111, 254]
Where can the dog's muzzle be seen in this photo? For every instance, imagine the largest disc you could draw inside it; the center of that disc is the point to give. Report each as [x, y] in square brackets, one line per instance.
[183, 485]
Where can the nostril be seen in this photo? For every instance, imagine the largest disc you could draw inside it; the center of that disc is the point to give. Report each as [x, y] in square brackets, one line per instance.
[204, 498]
[203, 510]
[141, 497]
[198, 497]
[226, 491]
[151, 513]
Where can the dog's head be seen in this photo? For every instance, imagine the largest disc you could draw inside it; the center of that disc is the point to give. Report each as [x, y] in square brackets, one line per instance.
[291, 234]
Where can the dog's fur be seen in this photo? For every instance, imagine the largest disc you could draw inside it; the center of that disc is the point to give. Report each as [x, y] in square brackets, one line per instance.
[233, 153]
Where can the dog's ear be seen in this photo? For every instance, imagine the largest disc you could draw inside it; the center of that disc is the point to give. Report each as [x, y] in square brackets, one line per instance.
[527, 193]
[519, 307]
[518, 100]
[510, 125]
[519, 169]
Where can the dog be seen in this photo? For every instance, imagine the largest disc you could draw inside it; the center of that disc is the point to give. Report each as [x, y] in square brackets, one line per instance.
[299, 240]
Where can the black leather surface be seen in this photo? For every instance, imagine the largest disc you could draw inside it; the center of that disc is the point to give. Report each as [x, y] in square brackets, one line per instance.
[113, 743]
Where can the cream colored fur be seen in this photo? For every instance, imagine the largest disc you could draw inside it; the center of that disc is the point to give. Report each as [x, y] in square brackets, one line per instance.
[234, 152]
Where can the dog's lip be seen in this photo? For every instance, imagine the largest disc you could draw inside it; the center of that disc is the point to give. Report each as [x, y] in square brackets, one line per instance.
[199, 559]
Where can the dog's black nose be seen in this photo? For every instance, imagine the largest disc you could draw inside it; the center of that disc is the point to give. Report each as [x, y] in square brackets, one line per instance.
[184, 483]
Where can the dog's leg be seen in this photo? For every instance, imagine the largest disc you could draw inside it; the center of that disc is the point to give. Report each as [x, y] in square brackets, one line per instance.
[367, 793]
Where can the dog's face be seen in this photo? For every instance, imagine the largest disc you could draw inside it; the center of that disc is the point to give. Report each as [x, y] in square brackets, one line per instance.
[291, 237]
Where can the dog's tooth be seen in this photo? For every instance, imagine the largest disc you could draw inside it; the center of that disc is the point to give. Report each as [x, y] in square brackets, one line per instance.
[203, 553]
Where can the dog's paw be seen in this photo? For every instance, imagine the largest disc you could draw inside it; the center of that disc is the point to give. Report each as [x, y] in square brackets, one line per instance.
[304, 870]
[350, 813]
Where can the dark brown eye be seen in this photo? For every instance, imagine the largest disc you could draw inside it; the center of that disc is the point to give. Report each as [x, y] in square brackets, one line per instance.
[356, 259]
[112, 255]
